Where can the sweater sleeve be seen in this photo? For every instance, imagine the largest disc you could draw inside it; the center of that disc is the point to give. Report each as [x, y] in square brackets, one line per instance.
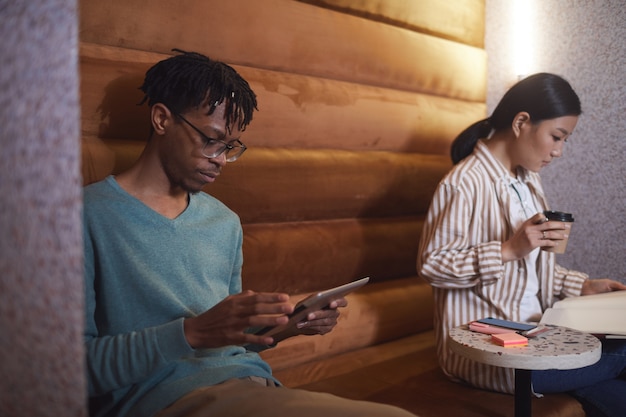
[114, 362]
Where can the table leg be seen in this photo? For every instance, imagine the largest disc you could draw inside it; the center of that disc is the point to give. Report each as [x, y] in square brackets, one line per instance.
[522, 393]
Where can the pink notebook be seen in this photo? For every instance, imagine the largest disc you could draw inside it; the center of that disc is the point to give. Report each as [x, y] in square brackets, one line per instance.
[509, 339]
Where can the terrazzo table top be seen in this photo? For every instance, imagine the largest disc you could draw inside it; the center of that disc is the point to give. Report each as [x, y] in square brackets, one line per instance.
[559, 348]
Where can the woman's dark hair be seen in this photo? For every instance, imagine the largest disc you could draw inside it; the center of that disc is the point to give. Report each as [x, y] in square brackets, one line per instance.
[190, 80]
[543, 96]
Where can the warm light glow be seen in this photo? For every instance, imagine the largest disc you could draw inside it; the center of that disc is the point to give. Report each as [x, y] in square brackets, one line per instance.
[523, 39]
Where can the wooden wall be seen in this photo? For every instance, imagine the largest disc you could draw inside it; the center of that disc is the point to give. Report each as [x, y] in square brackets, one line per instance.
[358, 100]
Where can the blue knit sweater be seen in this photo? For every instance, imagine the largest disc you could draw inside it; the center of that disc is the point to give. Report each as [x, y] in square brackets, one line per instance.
[144, 273]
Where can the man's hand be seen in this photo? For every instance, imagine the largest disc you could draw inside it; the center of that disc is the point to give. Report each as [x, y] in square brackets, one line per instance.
[322, 321]
[317, 322]
[597, 286]
[225, 323]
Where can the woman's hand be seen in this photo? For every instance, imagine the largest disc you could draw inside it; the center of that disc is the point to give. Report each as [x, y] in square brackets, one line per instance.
[534, 233]
[597, 286]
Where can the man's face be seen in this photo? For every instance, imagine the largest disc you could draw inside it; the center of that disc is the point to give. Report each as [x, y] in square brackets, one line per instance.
[182, 154]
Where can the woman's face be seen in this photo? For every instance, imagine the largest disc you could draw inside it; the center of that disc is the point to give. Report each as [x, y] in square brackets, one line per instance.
[537, 144]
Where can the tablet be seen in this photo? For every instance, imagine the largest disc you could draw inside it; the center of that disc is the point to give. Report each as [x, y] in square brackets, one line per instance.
[314, 302]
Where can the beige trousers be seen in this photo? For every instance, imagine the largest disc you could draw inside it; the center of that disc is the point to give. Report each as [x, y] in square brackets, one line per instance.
[249, 398]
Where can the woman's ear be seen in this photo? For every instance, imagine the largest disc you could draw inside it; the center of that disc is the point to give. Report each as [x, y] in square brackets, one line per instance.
[159, 117]
[519, 121]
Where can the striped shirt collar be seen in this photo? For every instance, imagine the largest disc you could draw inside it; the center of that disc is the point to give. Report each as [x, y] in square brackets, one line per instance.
[495, 168]
[499, 174]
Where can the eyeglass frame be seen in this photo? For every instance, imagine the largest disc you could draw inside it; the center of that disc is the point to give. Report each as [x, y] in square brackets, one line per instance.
[207, 141]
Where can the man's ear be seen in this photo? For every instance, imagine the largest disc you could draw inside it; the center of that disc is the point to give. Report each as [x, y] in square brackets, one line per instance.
[160, 116]
[520, 120]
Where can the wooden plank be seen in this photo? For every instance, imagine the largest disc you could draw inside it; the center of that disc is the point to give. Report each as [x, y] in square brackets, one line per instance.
[312, 371]
[315, 112]
[295, 185]
[309, 256]
[317, 375]
[277, 185]
[459, 20]
[295, 111]
[293, 37]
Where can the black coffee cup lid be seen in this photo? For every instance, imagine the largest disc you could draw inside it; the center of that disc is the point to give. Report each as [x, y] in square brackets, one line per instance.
[558, 216]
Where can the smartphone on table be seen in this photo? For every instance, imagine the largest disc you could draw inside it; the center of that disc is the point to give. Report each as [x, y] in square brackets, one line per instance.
[507, 324]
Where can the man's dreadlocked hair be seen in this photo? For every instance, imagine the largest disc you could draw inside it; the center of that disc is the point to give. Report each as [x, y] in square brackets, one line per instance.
[191, 79]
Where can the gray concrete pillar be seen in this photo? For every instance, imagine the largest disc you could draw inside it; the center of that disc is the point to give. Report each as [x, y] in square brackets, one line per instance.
[41, 295]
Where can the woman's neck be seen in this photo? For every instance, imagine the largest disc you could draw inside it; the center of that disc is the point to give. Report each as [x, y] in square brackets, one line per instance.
[499, 145]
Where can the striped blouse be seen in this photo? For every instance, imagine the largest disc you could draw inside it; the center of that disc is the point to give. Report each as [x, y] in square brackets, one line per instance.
[460, 256]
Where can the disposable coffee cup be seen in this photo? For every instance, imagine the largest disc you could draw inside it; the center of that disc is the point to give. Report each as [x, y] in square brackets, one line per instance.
[559, 216]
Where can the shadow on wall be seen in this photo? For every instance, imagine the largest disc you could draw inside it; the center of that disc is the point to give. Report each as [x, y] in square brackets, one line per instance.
[120, 113]
[122, 131]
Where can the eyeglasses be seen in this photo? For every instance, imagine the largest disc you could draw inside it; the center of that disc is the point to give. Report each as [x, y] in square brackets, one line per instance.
[213, 148]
